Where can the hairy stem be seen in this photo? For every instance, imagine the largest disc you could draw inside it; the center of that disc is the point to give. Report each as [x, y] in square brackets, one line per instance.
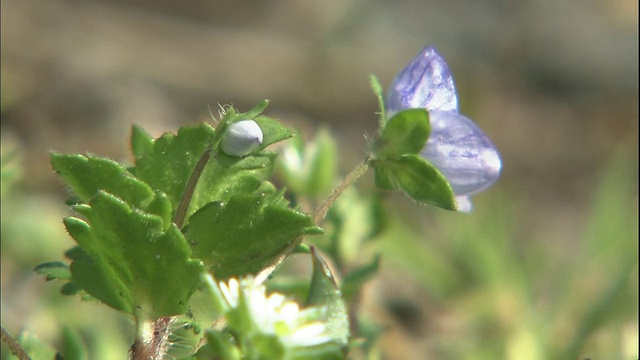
[352, 177]
[321, 212]
[185, 200]
[14, 346]
[152, 339]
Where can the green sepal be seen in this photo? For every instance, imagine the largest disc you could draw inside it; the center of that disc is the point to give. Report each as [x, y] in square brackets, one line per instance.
[325, 294]
[245, 234]
[377, 90]
[257, 110]
[129, 261]
[383, 178]
[405, 133]
[272, 131]
[420, 180]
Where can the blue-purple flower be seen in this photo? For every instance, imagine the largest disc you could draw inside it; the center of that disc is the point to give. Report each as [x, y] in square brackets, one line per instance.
[456, 145]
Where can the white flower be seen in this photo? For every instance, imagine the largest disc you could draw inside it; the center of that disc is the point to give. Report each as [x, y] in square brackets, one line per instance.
[273, 314]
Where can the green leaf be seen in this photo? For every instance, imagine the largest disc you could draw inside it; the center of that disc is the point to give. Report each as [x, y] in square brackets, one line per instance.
[168, 164]
[420, 180]
[132, 263]
[226, 176]
[54, 270]
[244, 234]
[70, 288]
[405, 133]
[325, 294]
[87, 175]
[141, 141]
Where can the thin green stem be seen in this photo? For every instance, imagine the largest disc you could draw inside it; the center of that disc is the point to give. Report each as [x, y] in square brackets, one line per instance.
[352, 177]
[185, 200]
[321, 212]
[14, 346]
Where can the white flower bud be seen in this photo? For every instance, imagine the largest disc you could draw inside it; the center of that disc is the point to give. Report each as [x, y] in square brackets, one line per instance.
[242, 138]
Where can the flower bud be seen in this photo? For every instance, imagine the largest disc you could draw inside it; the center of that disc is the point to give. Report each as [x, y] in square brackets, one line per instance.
[242, 138]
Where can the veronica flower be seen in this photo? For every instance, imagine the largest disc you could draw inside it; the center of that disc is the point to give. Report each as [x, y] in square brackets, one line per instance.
[456, 145]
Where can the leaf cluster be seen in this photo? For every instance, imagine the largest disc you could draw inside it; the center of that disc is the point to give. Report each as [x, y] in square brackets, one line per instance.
[146, 232]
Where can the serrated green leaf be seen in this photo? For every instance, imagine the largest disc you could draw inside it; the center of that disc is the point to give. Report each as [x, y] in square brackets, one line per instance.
[405, 133]
[167, 166]
[161, 205]
[325, 294]
[173, 158]
[77, 253]
[226, 176]
[141, 141]
[54, 270]
[421, 181]
[133, 264]
[87, 175]
[244, 234]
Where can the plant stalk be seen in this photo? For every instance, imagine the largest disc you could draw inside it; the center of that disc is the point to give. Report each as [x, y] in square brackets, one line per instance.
[352, 177]
[185, 200]
[14, 346]
[320, 213]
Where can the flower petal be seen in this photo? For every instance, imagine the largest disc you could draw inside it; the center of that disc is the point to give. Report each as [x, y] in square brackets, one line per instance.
[462, 153]
[464, 204]
[425, 83]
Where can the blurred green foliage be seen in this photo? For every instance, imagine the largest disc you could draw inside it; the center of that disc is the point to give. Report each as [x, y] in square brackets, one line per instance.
[503, 292]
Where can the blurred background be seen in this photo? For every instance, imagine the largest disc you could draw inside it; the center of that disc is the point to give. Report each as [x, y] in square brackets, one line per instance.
[545, 267]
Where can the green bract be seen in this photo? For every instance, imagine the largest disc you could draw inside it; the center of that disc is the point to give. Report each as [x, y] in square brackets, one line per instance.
[398, 167]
